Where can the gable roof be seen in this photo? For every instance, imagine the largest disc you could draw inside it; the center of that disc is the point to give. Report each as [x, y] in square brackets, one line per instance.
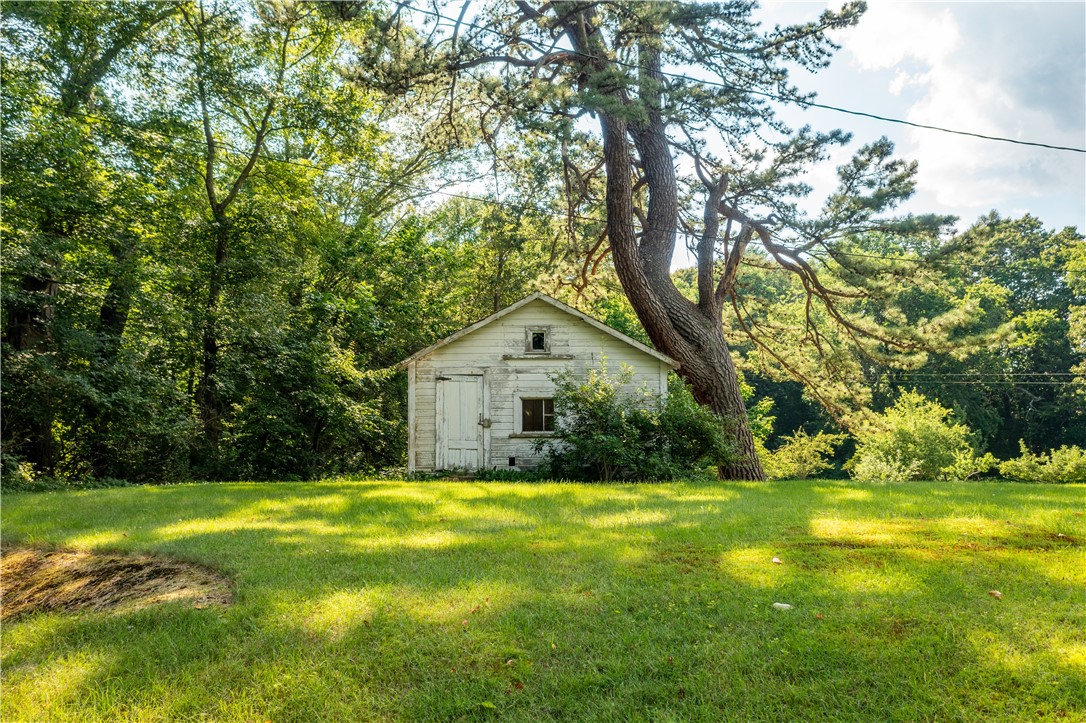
[540, 296]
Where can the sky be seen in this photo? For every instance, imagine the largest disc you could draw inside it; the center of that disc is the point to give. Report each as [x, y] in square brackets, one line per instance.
[1010, 69]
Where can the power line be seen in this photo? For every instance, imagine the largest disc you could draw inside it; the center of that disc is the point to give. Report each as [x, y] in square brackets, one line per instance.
[782, 99]
[988, 374]
[523, 209]
[1073, 383]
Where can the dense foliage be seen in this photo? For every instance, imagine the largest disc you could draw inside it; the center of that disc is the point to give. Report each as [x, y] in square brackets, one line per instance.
[222, 227]
[607, 431]
[801, 455]
[916, 439]
[203, 278]
[1065, 465]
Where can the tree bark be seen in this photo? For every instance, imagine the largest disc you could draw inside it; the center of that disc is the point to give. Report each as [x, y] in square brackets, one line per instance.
[117, 303]
[208, 399]
[30, 329]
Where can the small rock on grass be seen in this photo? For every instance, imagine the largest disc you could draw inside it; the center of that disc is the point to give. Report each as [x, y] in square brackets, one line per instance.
[782, 606]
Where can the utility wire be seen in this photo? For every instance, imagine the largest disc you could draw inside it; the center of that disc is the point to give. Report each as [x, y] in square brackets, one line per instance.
[987, 374]
[522, 209]
[1074, 383]
[773, 96]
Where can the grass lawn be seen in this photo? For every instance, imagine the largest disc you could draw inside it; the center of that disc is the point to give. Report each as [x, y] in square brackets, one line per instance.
[464, 601]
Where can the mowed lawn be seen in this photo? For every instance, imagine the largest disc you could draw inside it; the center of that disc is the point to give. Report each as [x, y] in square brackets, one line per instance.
[357, 600]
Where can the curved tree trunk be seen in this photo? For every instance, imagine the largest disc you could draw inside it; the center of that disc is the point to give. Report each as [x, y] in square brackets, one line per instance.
[690, 333]
[715, 384]
[693, 334]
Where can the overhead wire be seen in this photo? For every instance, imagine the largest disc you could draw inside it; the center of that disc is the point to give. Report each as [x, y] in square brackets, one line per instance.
[782, 99]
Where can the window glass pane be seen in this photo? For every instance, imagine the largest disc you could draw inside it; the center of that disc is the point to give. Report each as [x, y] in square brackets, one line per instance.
[537, 415]
[532, 415]
[539, 341]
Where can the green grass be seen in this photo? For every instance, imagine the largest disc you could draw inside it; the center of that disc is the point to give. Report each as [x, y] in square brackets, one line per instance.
[464, 601]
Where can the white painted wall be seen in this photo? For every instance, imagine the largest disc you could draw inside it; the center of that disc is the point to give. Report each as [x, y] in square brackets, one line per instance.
[574, 344]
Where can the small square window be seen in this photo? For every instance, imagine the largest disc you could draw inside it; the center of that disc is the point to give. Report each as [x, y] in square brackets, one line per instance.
[537, 340]
[537, 415]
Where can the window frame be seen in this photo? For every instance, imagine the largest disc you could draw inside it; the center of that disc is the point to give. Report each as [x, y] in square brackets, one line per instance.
[529, 331]
[545, 416]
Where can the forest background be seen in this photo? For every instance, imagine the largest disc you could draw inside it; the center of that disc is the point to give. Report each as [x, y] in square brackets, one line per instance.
[223, 227]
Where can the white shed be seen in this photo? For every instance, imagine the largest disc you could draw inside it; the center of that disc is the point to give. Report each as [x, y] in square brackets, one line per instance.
[481, 397]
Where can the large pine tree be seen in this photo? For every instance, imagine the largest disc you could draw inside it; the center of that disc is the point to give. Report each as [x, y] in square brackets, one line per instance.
[683, 97]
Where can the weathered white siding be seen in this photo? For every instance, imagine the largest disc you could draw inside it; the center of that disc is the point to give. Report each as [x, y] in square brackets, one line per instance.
[574, 344]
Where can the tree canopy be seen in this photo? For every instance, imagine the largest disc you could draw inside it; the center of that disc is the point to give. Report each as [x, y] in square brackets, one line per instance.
[702, 159]
[224, 222]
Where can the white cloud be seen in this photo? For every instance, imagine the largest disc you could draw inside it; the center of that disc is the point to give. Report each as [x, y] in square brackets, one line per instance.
[1002, 70]
[891, 33]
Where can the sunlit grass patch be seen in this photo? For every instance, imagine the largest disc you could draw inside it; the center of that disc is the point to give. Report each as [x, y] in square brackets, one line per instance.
[458, 600]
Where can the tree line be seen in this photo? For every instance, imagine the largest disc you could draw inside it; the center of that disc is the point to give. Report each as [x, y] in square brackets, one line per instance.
[225, 222]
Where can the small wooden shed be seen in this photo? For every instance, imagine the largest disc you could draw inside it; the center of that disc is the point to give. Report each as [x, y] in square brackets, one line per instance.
[481, 397]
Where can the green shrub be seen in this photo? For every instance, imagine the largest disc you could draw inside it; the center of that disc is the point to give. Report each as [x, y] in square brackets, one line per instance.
[604, 434]
[802, 456]
[16, 473]
[1065, 465]
[916, 439]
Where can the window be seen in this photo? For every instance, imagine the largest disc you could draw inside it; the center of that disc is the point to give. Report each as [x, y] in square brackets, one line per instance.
[537, 340]
[537, 415]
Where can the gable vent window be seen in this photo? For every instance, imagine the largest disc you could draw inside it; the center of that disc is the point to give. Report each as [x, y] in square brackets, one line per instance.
[537, 340]
[537, 415]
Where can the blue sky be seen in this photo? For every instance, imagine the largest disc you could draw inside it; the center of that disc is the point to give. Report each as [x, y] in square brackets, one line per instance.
[1016, 70]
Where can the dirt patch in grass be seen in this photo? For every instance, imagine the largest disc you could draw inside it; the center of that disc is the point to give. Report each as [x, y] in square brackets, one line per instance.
[34, 579]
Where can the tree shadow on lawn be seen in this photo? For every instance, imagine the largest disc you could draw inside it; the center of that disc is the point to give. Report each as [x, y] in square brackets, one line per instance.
[440, 601]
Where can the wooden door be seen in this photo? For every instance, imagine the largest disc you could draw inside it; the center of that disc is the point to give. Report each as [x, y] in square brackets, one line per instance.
[460, 434]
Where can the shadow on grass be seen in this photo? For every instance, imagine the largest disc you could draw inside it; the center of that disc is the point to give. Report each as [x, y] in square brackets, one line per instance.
[448, 601]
